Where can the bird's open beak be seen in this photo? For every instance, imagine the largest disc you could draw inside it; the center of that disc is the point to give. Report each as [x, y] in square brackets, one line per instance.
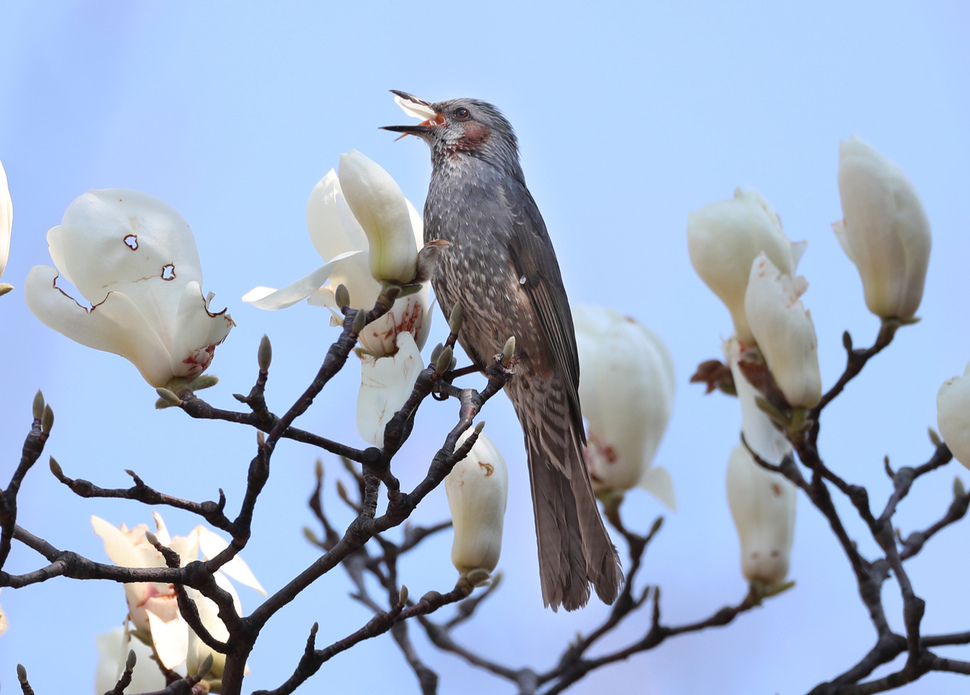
[419, 108]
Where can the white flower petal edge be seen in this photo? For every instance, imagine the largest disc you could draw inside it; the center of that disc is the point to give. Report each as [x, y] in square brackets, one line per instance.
[385, 384]
[414, 110]
[6, 219]
[271, 299]
[113, 648]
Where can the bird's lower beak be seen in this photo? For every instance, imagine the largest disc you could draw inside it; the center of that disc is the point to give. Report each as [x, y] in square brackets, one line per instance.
[418, 108]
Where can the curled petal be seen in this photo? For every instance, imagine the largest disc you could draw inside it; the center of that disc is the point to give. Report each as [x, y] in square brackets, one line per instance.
[414, 109]
[270, 299]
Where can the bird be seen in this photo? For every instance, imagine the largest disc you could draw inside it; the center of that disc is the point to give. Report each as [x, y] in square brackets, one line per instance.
[501, 267]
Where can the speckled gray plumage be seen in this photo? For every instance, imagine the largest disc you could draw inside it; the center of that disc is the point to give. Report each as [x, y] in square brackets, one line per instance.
[502, 267]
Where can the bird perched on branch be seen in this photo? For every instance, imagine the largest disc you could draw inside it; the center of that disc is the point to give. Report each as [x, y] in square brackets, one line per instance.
[501, 267]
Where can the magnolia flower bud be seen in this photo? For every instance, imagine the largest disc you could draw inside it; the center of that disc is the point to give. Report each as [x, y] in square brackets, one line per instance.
[627, 391]
[725, 237]
[763, 507]
[6, 219]
[784, 332]
[953, 415]
[885, 231]
[477, 488]
[379, 205]
[134, 259]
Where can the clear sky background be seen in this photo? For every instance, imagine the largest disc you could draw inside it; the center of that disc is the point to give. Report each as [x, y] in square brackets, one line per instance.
[630, 115]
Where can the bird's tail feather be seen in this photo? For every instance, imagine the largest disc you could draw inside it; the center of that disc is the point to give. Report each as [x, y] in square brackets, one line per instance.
[575, 549]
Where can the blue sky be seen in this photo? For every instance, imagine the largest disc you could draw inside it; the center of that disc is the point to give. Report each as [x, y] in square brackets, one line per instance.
[629, 117]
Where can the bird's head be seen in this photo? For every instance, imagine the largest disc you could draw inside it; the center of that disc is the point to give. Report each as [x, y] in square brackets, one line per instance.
[460, 128]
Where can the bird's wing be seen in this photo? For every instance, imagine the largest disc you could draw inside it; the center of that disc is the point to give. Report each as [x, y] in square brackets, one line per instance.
[535, 261]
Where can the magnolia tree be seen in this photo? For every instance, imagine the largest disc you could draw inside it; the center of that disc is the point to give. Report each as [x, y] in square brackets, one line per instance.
[134, 262]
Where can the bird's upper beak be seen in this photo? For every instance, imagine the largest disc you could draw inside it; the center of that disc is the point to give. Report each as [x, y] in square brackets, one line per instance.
[419, 108]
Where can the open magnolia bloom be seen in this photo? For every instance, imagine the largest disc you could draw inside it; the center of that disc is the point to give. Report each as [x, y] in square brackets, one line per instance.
[784, 331]
[340, 208]
[885, 231]
[953, 415]
[626, 389]
[113, 648]
[477, 489]
[6, 221]
[725, 237]
[153, 607]
[763, 508]
[134, 259]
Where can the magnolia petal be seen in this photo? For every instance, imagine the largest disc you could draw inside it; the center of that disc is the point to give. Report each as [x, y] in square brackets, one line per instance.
[117, 545]
[6, 219]
[409, 314]
[723, 239]
[414, 109]
[381, 209]
[115, 325]
[331, 223]
[385, 385]
[657, 481]
[135, 241]
[354, 274]
[211, 544]
[171, 639]
[113, 648]
[266, 298]
[196, 332]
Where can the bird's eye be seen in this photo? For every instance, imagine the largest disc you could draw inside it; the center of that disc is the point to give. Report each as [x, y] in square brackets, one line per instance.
[461, 113]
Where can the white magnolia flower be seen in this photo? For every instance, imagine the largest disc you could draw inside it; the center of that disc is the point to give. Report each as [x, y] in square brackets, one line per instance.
[391, 346]
[338, 235]
[627, 392]
[134, 259]
[725, 237]
[763, 507]
[885, 231]
[784, 331]
[477, 489]
[6, 219]
[113, 648]
[953, 415]
[153, 607]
